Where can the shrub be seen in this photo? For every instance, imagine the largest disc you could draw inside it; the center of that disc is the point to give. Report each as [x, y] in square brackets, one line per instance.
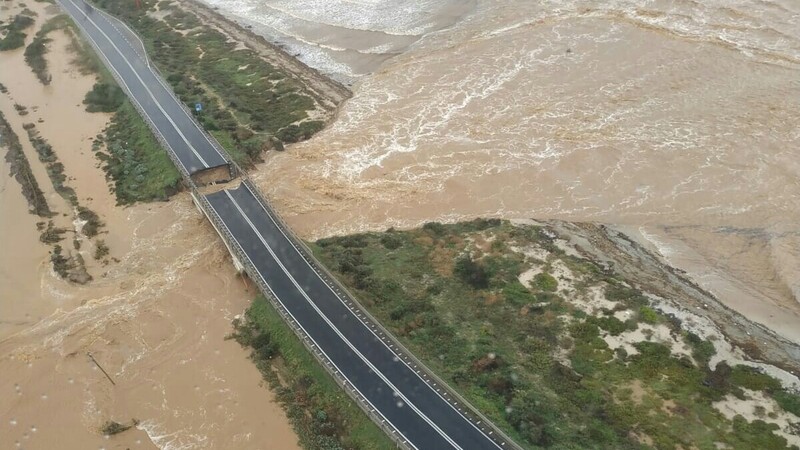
[751, 378]
[545, 282]
[517, 294]
[104, 97]
[15, 38]
[789, 401]
[391, 241]
[101, 249]
[471, 272]
[435, 228]
[648, 315]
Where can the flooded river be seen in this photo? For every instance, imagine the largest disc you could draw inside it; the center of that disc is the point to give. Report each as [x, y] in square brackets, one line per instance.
[676, 120]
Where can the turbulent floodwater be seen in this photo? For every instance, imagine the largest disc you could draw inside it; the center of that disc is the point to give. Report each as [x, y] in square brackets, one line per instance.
[677, 120]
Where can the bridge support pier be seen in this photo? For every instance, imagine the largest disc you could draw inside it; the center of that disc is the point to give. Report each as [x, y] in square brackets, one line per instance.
[236, 263]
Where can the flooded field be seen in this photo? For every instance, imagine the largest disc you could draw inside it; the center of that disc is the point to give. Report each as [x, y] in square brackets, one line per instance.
[155, 317]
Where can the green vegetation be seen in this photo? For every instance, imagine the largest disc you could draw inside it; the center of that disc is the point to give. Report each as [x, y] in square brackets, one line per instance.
[92, 224]
[20, 169]
[51, 234]
[60, 263]
[529, 357]
[246, 100]
[139, 168]
[104, 97]
[320, 411]
[55, 170]
[545, 282]
[101, 249]
[135, 161]
[34, 53]
[14, 36]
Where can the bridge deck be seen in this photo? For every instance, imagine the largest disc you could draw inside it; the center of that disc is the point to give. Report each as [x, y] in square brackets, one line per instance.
[398, 393]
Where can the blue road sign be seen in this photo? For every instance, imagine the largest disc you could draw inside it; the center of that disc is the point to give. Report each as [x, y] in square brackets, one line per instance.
[198, 107]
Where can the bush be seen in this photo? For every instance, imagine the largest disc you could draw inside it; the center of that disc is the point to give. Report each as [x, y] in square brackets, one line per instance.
[545, 282]
[101, 250]
[517, 294]
[471, 272]
[751, 378]
[93, 222]
[702, 350]
[391, 241]
[34, 57]
[435, 228]
[104, 97]
[15, 38]
[648, 315]
[790, 402]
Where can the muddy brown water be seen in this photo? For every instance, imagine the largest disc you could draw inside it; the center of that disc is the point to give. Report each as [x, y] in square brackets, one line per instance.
[156, 320]
[676, 121]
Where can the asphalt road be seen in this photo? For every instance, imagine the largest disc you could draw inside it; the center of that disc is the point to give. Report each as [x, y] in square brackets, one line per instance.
[394, 387]
[391, 385]
[124, 57]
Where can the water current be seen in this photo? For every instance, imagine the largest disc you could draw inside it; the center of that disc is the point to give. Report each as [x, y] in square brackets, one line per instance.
[675, 120]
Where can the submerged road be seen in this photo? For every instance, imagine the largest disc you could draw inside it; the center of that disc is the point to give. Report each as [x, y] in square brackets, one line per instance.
[397, 393]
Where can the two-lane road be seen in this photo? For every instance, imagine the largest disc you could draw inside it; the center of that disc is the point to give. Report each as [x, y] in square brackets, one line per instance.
[393, 388]
[193, 148]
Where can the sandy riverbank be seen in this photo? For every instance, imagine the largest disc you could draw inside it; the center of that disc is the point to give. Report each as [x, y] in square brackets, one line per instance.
[156, 320]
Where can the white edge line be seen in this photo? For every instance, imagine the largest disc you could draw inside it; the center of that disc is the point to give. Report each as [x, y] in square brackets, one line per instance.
[425, 382]
[339, 333]
[109, 18]
[135, 73]
[306, 332]
[131, 97]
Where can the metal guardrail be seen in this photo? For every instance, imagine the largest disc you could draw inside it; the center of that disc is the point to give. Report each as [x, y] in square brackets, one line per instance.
[439, 385]
[170, 151]
[449, 394]
[160, 77]
[254, 275]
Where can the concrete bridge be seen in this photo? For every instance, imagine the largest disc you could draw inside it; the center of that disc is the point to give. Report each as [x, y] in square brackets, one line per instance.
[414, 407]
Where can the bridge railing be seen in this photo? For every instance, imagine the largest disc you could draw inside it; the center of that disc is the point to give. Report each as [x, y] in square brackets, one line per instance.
[160, 77]
[449, 394]
[430, 377]
[338, 377]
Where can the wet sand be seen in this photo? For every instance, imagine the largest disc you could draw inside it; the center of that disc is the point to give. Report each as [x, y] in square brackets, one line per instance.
[677, 129]
[156, 320]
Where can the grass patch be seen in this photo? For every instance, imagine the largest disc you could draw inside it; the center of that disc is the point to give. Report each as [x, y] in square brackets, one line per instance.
[20, 169]
[527, 358]
[34, 53]
[104, 97]
[323, 416]
[140, 169]
[238, 90]
[14, 35]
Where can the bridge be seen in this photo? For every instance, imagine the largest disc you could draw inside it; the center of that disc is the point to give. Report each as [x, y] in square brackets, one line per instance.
[414, 407]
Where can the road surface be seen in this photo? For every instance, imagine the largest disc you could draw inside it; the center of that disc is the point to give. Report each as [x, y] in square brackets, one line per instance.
[126, 60]
[398, 393]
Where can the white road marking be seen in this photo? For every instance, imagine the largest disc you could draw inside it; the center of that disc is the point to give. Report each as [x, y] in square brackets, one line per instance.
[164, 112]
[336, 330]
[308, 336]
[424, 375]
